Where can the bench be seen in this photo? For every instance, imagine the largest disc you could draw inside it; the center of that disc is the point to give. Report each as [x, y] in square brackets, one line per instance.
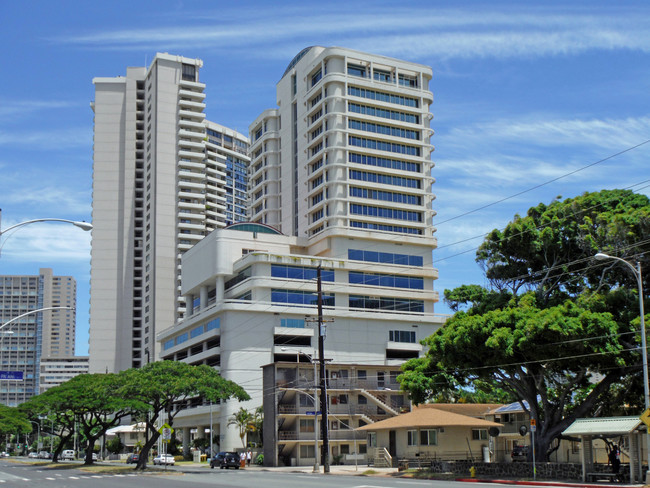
[613, 477]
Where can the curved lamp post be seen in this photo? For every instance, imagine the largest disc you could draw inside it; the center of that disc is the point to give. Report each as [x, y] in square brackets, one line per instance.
[18, 317]
[82, 225]
[86, 226]
[636, 271]
[32, 312]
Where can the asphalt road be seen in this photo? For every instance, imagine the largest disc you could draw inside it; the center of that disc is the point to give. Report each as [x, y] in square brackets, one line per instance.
[27, 475]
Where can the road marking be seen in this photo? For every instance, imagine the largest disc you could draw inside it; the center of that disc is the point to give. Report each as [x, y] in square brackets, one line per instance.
[51, 479]
[74, 477]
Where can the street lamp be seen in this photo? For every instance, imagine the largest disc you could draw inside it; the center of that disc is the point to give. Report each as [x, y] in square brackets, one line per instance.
[644, 350]
[15, 319]
[81, 224]
[38, 434]
[315, 399]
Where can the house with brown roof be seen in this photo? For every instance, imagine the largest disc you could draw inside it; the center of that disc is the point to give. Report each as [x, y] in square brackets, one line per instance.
[428, 433]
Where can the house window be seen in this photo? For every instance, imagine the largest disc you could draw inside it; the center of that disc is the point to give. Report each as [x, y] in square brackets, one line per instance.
[306, 425]
[345, 449]
[307, 451]
[480, 434]
[412, 438]
[428, 437]
[372, 439]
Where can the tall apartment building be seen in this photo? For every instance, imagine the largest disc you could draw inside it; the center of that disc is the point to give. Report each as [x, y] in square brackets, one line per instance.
[163, 178]
[38, 336]
[340, 179]
[347, 148]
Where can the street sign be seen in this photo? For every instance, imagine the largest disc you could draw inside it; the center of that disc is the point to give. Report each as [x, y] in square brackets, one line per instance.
[645, 417]
[166, 431]
[11, 375]
[311, 412]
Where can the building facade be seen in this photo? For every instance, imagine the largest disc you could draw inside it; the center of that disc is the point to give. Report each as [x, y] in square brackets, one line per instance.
[163, 178]
[57, 370]
[34, 338]
[347, 148]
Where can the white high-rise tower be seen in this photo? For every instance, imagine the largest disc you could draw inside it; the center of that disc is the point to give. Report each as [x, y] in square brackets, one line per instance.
[161, 182]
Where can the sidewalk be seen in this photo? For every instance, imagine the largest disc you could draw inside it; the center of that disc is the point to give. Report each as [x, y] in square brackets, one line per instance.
[363, 470]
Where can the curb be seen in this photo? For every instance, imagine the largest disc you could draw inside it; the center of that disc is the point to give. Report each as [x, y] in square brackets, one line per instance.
[545, 483]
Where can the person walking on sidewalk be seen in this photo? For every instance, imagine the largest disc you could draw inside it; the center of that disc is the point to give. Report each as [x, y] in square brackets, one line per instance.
[249, 455]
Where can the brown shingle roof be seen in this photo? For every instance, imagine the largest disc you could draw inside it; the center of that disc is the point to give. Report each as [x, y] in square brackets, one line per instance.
[471, 409]
[430, 417]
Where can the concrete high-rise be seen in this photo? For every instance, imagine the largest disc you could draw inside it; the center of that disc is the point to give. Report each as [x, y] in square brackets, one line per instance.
[347, 149]
[340, 179]
[38, 336]
[162, 179]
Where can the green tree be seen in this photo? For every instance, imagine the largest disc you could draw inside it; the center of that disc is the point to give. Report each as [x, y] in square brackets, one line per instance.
[245, 422]
[550, 250]
[556, 330]
[115, 445]
[160, 388]
[13, 421]
[93, 403]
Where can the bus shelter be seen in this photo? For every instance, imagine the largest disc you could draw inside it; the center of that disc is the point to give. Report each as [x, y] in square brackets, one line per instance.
[589, 429]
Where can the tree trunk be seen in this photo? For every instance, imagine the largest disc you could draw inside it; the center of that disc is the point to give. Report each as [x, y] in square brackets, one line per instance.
[144, 452]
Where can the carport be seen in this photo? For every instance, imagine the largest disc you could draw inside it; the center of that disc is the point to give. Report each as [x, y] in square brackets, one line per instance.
[629, 427]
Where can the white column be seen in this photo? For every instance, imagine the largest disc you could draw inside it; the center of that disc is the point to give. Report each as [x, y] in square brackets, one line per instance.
[203, 302]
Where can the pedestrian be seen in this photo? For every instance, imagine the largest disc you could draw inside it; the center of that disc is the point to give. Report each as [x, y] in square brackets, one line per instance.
[249, 455]
[242, 459]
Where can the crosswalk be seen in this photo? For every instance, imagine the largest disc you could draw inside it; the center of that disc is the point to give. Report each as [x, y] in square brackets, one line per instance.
[60, 477]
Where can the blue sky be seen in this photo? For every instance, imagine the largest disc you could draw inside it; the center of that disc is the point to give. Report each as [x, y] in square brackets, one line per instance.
[524, 93]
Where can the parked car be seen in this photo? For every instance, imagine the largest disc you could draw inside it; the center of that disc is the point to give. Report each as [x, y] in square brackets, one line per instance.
[95, 456]
[230, 460]
[67, 454]
[519, 453]
[132, 458]
[164, 459]
[216, 459]
[33, 455]
[44, 455]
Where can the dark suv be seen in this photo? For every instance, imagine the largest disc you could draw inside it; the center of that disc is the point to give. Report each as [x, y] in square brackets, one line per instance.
[230, 460]
[216, 459]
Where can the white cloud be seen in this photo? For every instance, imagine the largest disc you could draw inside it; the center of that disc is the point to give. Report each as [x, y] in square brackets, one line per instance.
[539, 130]
[65, 200]
[51, 140]
[21, 107]
[48, 242]
[444, 33]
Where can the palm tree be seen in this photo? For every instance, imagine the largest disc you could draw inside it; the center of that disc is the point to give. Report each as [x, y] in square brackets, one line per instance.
[245, 422]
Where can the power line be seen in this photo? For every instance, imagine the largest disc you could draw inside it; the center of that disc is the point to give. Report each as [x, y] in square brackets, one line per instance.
[483, 207]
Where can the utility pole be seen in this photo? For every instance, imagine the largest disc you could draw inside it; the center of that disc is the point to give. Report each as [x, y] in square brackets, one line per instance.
[323, 387]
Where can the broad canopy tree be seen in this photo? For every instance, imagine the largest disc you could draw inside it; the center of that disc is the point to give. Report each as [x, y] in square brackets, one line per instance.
[556, 329]
[164, 387]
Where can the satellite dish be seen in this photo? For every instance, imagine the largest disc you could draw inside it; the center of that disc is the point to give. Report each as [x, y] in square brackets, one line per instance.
[523, 430]
[493, 431]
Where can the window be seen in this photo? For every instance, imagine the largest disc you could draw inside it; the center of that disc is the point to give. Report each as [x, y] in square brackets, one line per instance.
[407, 336]
[306, 425]
[189, 72]
[428, 437]
[412, 438]
[480, 434]
[357, 70]
[372, 439]
[307, 451]
[316, 77]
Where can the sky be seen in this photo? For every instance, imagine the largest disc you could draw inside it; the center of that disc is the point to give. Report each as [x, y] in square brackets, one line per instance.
[532, 101]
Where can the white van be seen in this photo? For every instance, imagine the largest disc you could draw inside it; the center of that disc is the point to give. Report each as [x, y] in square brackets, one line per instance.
[68, 454]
